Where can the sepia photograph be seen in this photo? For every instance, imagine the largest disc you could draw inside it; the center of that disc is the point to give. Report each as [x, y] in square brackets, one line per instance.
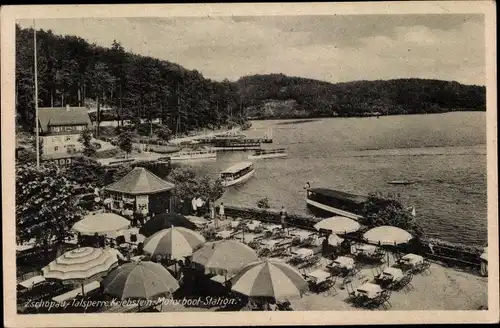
[166, 160]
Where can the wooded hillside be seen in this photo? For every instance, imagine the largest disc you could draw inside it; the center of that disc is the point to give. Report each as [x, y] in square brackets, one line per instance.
[312, 98]
[73, 72]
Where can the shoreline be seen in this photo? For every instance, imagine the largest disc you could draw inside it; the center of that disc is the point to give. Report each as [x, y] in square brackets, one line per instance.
[204, 134]
[316, 117]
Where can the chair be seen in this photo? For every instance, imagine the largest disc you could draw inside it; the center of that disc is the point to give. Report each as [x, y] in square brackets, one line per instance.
[313, 260]
[380, 300]
[329, 286]
[423, 267]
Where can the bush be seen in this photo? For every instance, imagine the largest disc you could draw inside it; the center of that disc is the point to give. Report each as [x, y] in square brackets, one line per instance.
[263, 203]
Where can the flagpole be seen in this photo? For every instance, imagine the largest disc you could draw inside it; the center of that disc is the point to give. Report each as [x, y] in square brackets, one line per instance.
[36, 100]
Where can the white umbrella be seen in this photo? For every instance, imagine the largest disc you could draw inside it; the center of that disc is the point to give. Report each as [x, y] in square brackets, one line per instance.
[101, 223]
[387, 235]
[338, 225]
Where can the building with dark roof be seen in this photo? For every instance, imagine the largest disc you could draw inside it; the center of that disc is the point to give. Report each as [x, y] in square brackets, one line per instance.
[60, 128]
[140, 190]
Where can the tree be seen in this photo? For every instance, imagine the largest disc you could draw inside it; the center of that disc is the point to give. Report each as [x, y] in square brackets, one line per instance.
[163, 132]
[85, 171]
[46, 207]
[209, 189]
[125, 141]
[189, 186]
[185, 183]
[379, 211]
[85, 139]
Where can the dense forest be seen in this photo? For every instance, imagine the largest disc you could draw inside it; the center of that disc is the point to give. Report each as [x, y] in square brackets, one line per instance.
[73, 72]
[277, 95]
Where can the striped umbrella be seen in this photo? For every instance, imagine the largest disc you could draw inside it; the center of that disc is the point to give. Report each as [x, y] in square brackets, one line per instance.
[175, 242]
[80, 265]
[224, 257]
[387, 235]
[140, 280]
[338, 225]
[269, 279]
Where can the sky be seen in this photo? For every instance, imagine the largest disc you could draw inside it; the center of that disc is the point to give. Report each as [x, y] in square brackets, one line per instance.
[333, 48]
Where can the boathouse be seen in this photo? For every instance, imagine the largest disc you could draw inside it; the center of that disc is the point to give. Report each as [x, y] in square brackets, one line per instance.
[139, 191]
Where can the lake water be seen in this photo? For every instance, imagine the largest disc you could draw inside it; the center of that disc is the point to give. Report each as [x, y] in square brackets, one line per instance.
[444, 153]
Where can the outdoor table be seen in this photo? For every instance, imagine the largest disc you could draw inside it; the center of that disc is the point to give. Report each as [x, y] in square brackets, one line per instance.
[32, 281]
[270, 243]
[369, 290]
[225, 234]
[254, 224]
[137, 258]
[391, 274]
[199, 222]
[77, 291]
[365, 249]
[220, 279]
[412, 259]
[302, 234]
[249, 237]
[344, 262]
[302, 253]
[319, 276]
[272, 227]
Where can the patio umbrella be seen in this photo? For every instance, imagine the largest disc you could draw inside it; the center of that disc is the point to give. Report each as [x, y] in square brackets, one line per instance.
[165, 221]
[269, 279]
[224, 257]
[101, 223]
[139, 280]
[107, 201]
[338, 225]
[80, 265]
[175, 242]
[387, 235]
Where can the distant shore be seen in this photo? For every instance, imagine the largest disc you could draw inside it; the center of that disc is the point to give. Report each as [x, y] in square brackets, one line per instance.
[305, 118]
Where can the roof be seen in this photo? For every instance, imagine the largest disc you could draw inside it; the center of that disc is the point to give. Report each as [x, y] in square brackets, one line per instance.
[237, 167]
[62, 116]
[139, 181]
[339, 195]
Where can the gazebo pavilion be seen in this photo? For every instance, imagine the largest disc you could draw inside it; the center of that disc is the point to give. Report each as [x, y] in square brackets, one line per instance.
[141, 190]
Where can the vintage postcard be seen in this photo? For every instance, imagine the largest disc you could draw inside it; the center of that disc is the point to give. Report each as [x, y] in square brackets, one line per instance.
[249, 164]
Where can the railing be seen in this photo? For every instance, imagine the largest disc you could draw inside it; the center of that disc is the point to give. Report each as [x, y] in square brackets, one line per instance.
[439, 250]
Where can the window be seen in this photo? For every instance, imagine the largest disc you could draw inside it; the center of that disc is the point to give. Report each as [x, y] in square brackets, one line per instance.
[68, 161]
[62, 161]
[56, 148]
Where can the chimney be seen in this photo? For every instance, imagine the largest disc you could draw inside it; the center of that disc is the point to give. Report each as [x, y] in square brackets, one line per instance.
[67, 107]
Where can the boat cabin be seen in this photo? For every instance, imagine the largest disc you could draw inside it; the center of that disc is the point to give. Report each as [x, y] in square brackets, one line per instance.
[237, 171]
[330, 201]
